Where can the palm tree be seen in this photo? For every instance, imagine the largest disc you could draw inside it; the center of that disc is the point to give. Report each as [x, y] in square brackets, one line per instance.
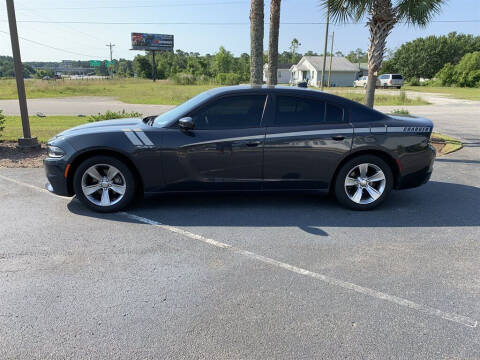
[256, 42]
[382, 16]
[273, 42]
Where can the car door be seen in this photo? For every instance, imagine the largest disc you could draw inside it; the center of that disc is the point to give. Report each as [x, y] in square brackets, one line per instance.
[224, 150]
[305, 143]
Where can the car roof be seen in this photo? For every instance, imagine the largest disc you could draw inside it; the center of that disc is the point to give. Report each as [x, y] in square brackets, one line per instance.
[279, 89]
[264, 89]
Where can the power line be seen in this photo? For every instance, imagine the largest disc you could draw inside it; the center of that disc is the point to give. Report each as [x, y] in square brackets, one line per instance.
[54, 48]
[215, 23]
[67, 27]
[142, 6]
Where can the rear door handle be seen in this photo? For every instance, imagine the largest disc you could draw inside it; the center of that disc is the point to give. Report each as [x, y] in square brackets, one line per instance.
[338, 137]
[253, 143]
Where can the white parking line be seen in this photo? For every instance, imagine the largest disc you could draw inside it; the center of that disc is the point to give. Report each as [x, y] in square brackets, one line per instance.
[24, 184]
[463, 320]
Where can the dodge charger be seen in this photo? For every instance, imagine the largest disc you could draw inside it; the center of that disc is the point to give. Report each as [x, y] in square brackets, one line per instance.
[244, 138]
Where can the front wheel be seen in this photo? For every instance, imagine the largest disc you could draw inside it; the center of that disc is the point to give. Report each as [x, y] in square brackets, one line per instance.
[363, 182]
[104, 184]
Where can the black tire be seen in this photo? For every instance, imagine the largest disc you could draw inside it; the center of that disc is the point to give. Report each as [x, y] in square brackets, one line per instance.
[126, 180]
[398, 87]
[341, 190]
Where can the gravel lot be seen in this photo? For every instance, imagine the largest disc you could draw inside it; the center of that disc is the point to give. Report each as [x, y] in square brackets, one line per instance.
[247, 276]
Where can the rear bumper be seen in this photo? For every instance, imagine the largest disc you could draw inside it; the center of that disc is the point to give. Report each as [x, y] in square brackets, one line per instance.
[421, 176]
[55, 172]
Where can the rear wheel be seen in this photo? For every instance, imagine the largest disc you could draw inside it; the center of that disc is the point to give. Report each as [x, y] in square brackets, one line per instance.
[363, 182]
[104, 184]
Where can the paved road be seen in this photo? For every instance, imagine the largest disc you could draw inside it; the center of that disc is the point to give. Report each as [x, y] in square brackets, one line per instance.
[79, 105]
[246, 277]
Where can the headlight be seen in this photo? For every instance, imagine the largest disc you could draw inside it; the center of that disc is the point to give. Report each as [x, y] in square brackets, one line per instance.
[55, 152]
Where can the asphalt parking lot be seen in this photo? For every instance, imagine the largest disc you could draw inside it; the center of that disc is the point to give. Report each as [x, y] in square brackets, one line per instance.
[245, 276]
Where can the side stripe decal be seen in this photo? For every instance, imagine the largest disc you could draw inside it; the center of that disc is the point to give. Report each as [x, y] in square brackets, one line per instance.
[143, 137]
[137, 137]
[133, 138]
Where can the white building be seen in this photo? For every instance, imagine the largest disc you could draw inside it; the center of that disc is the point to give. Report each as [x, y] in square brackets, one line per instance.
[283, 73]
[309, 69]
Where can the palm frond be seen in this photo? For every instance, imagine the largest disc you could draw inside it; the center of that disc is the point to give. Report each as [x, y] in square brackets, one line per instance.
[417, 12]
[342, 11]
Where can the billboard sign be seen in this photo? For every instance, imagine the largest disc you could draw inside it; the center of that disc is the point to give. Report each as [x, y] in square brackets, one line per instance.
[157, 42]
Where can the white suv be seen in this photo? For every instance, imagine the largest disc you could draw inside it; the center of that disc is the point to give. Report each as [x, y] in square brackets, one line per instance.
[390, 80]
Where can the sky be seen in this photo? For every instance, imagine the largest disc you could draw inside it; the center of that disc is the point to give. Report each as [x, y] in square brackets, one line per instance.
[77, 41]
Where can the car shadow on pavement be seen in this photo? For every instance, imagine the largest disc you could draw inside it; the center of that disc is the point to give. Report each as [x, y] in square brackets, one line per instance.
[435, 204]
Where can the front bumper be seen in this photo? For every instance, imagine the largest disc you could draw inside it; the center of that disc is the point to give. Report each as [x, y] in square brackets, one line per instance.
[55, 172]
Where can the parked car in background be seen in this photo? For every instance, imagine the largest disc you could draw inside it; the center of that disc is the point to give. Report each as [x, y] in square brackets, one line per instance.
[362, 82]
[390, 80]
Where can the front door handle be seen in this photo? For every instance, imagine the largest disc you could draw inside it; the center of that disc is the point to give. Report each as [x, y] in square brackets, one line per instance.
[253, 143]
[338, 137]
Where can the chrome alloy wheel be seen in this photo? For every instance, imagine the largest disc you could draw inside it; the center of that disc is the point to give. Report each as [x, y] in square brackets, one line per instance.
[365, 183]
[103, 185]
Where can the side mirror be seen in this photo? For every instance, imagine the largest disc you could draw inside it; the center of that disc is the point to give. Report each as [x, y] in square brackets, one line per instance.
[186, 123]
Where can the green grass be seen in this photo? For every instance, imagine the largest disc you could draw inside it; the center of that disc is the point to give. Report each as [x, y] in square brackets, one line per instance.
[131, 91]
[43, 128]
[455, 92]
[399, 99]
[141, 91]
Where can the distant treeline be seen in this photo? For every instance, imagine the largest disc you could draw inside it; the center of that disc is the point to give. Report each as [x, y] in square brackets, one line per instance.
[6, 68]
[439, 58]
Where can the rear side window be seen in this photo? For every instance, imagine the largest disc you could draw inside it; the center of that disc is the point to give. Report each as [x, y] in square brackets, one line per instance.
[293, 111]
[235, 112]
[333, 114]
[398, 77]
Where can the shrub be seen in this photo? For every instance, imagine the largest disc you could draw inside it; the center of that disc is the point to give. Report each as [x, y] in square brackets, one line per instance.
[414, 81]
[464, 74]
[400, 112]
[474, 78]
[183, 79]
[109, 115]
[228, 79]
[446, 76]
[2, 123]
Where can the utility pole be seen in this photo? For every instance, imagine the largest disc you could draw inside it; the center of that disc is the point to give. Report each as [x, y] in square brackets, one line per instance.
[331, 54]
[154, 66]
[27, 141]
[325, 49]
[111, 57]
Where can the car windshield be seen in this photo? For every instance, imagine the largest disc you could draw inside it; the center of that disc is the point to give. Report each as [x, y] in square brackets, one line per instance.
[169, 116]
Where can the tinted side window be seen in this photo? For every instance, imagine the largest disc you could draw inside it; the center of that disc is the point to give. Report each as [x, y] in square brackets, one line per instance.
[333, 114]
[398, 77]
[292, 111]
[235, 112]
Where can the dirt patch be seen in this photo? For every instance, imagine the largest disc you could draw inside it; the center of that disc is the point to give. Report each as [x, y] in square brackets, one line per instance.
[12, 157]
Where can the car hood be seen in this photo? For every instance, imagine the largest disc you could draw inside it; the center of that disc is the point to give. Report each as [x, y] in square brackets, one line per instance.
[100, 126]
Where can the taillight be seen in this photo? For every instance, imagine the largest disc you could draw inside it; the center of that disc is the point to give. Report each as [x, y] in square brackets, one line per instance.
[390, 81]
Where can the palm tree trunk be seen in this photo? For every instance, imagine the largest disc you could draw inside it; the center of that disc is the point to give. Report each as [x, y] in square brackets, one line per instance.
[380, 23]
[273, 42]
[256, 42]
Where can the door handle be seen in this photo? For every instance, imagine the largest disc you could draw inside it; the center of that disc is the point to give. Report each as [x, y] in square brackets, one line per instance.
[253, 143]
[338, 137]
